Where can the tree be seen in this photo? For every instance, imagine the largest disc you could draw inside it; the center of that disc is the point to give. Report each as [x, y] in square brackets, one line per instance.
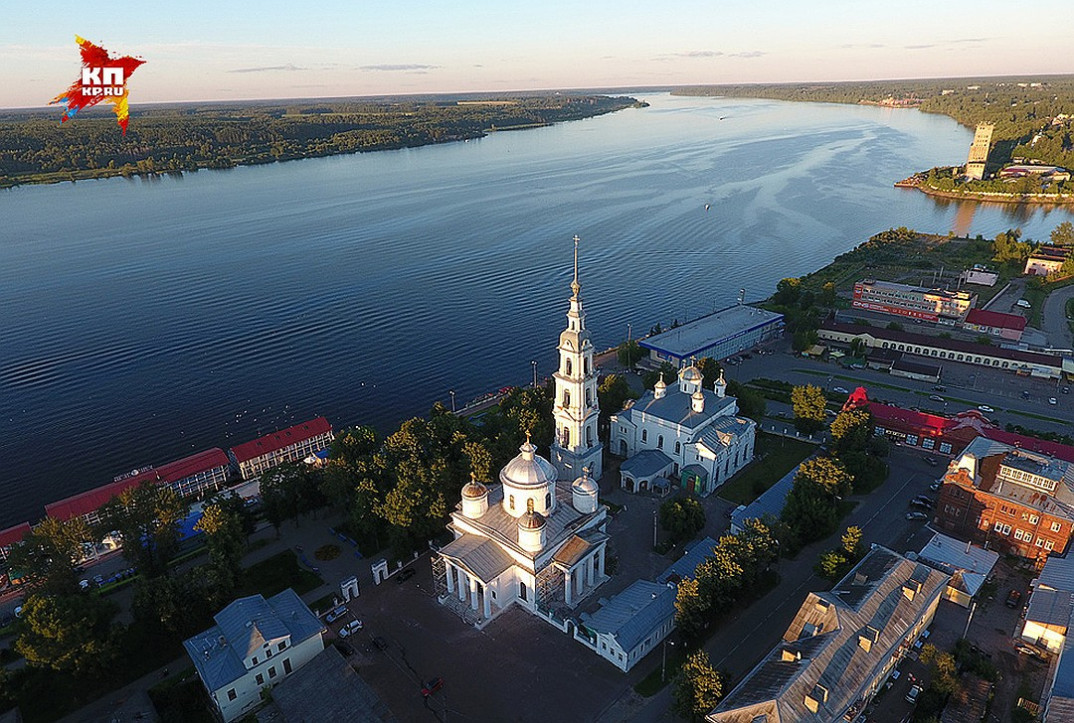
[147, 518]
[629, 353]
[851, 430]
[291, 489]
[682, 518]
[812, 506]
[176, 605]
[226, 540]
[612, 395]
[67, 632]
[691, 609]
[809, 406]
[47, 556]
[698, 687]
[750, 403]
[787, 291]
[667, 372]
[944, 672]
[827, 474]
[832, 565]
[827, 294]
[895, 326]
[1063, 234]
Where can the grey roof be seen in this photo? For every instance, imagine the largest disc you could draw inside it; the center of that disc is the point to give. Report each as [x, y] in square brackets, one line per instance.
[824, 644]
[328, 689]
[948, 554]
[646, 463]
[996, 482]
[480, 555]
[734, 427]
[634, 614]
[675, 407]
[770, 502]
[699, 334]
[687, 564]
[1058, 574]
[1062, 692]
[1050, 607]
[281, 616]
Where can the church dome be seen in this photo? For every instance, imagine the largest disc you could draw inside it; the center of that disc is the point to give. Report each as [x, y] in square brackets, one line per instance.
[585, 485]
[474, 490]
[584, 493]
[691, 374]
[531, 521]
[528, 469]
[661, 389]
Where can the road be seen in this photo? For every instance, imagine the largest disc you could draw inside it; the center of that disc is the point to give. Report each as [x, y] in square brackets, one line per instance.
[1055, 318]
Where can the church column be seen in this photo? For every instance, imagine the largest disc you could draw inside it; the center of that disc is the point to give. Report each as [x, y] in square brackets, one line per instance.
[580, 583]
[567, 587]
[590, 563]
[473, 594]
[450, 570]
[488, 601]
[600, 563]
[462, 587]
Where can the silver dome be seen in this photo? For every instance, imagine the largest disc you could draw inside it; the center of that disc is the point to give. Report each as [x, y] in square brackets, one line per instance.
[528, 469]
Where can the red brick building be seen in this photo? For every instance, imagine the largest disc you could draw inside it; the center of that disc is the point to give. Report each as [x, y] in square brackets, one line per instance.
[1008, 498]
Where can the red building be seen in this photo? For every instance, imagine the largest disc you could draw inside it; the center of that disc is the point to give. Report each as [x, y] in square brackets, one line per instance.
[10, 536]
[995, 323]
[288, 445]
[1008, 498]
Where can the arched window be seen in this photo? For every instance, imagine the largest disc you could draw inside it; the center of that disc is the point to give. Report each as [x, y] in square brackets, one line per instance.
[521, 591]
[677, 447]
[586, 364]
[660, 442]
[548, 501]
[511, 502]
[565, 437]
[568, 367]
[589, 436]
[645, 435]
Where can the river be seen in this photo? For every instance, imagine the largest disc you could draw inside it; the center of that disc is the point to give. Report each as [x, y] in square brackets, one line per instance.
[146, 319]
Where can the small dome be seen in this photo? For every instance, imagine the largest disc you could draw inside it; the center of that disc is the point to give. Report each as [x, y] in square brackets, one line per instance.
[585, 485]
[531, 521]
[660, 382]
[474, 490]
[691, 374]
[528, 469]
[698, 394]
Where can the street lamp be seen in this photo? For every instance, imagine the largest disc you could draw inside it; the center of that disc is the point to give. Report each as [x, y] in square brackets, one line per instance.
[664, 660]
[452, 393]
[534, 365]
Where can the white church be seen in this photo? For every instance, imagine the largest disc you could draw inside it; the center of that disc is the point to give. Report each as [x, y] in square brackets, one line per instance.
[687, 437]
[537, 539]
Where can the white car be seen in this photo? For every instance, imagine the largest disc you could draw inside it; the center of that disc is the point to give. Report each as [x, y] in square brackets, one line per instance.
[350, 628]
[841, 390]
[986, 409]
[1053, 400]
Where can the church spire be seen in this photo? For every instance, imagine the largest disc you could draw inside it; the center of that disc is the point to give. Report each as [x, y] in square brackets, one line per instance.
[575, 286]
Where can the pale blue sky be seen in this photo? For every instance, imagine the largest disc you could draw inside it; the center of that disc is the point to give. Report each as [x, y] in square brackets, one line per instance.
[274, 49]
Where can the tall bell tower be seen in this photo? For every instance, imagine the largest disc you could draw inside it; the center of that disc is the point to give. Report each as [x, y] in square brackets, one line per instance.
[575, 409]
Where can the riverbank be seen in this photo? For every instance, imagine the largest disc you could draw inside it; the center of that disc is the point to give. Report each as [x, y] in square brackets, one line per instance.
[1046, 199]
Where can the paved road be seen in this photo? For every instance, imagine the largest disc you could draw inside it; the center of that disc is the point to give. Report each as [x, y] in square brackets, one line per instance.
[1055, 318]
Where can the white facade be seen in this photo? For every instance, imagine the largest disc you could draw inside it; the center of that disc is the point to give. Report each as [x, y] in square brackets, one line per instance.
[575, 408]
[696, 429]
[240, 696]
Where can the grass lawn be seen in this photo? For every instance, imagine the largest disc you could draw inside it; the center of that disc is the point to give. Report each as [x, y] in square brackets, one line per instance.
[276, 574]
[774, 456]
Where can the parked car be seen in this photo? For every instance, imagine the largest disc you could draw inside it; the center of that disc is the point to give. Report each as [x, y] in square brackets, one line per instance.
[917, 516]
[345, 649]
[986, 409]
[380, 642]
[925, 499]
[84, 585]
[940, 388]
[915, 691]
[1013, 599]
[431, 686]
[350, 628]
[1025, 394]
[1023, 304]
[99, 579]
[336, 613]
[841, 390]
[936, 485]
[936, 398]
[931, 461]
[920, 505]
[1053, 400]
[1035, 653]
[404, 576]
[1066, 390]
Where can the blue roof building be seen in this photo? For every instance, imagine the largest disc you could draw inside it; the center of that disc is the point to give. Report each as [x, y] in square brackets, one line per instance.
[632, 623]
[718, 335]
[769, 503]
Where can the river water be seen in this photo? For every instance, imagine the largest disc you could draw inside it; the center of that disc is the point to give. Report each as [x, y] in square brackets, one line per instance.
[147, 319]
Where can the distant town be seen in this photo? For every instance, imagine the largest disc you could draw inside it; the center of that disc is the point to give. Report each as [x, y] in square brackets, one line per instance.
[853, 501]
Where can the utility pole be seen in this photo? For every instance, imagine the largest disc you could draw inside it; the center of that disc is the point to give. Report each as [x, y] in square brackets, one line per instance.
[534, 364]
[452, 393]
[654, 529]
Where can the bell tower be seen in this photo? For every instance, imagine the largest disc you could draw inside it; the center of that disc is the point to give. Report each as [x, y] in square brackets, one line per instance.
[575, 409]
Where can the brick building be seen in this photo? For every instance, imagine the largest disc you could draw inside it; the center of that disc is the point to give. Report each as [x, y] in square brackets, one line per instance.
[1010, 499]
[914, 302]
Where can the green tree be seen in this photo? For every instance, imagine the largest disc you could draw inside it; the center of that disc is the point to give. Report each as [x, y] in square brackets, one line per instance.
[612, 395]
[895, 326]
[69, 633]
[851, 430]
[750, 402]
[147, 517]
[629, 353]
[49, 553]
[852, 543]
[827, 294]
[176, 606]
[691, 609]
[787, 291]
[682, 518]
[1063, 234]
[698, 687]
[832, 565]
[827, 474]
[226, 540]
[809, 406]
[944, 672]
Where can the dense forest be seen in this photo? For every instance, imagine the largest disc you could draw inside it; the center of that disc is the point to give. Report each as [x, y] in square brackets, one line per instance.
[36, 148]
[1024, 110]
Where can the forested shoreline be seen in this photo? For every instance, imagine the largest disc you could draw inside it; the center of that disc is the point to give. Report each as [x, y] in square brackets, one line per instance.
[36, 148]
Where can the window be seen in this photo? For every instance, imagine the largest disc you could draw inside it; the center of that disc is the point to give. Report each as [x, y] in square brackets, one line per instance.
[1002, 528]
[1048, 544]
[567, 367]
[585, 364]
[1056, 527]
[645, 435]
[272, 672]
[547, 501]
[287, 666]
[677, 447]
[260, 679]
[255, 660]
[1034, 519]
[588, 399]
[283, 645]
[231, 694]
[1018, 535]
[945, 448]
[928, 443]
[522, 591]
[1040, 542]
[660, 442]
[566, 398]
[511, 502]
[911, 439]
[589, 436]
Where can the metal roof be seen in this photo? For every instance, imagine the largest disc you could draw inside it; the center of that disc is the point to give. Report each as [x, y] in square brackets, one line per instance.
[1050, 607]
[279, 440]
[1057, 574]
[646, 463]
[951, 554]
[633, 614]
[328, 689]
[675, 407]
[687, 564]
[481, 556]
[770, 502]
[700, 334]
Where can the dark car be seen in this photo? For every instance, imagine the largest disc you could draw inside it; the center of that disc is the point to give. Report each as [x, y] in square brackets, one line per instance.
[1013, 599]
[380, 642]
[404, 576]
[345, 649]
[931, 461]
[920, 505]
[925, 500]
[916, 516]
[431, 686]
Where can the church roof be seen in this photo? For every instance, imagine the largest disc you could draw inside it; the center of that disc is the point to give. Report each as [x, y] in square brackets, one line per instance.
[481, 556]
[528, 469]
[646, 463]
[578, 547]
[713, 436]
[633, 614]
[675, 407]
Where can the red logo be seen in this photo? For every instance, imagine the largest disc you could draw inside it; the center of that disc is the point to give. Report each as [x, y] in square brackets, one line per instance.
[103, 78]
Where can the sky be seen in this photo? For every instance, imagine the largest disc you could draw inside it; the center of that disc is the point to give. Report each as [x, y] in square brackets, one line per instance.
[222, 50]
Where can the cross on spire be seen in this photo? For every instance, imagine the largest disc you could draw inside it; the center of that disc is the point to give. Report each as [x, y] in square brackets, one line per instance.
[575, 286]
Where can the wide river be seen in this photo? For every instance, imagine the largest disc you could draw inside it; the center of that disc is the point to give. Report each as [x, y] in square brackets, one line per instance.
[147, 319]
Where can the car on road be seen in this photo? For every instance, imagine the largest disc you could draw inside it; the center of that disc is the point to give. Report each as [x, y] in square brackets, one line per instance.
[925, 500]
[936, 485]
[380, 642]
[841, 390]
[1066, 390]
[1013, 599]
[986, 409]
[336, 613]
[920, 505]
[940, 388]
[405, 575]
[99, 579]
[431, 686]
[916, 516]
[84, 585]
[1035, 653]
[931, 461]
[915, 691]
[350, 628]
[1023, 304]
[936, 398]
[1053, 400]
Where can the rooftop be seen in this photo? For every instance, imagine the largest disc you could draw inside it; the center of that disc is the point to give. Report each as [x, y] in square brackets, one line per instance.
[192, 465]
[1057, 574]
[770, 502]
[633, 614]
[675, 407]
[279, 440]
[14, 534]
[686, 565]
[646, 463]
[999, 320]
[956, 555]
[902, 364]
[699, 334]
[1050, 607]
[301, 696]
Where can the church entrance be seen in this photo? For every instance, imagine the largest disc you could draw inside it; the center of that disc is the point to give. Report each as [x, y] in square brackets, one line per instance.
[691, 483]
[622, 447]
[570, 628]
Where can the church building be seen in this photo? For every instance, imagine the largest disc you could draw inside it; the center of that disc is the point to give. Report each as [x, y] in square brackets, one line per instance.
[537, 539]
[688, 434]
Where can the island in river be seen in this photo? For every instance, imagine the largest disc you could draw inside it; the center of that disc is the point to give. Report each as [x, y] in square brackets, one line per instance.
[36, 148]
